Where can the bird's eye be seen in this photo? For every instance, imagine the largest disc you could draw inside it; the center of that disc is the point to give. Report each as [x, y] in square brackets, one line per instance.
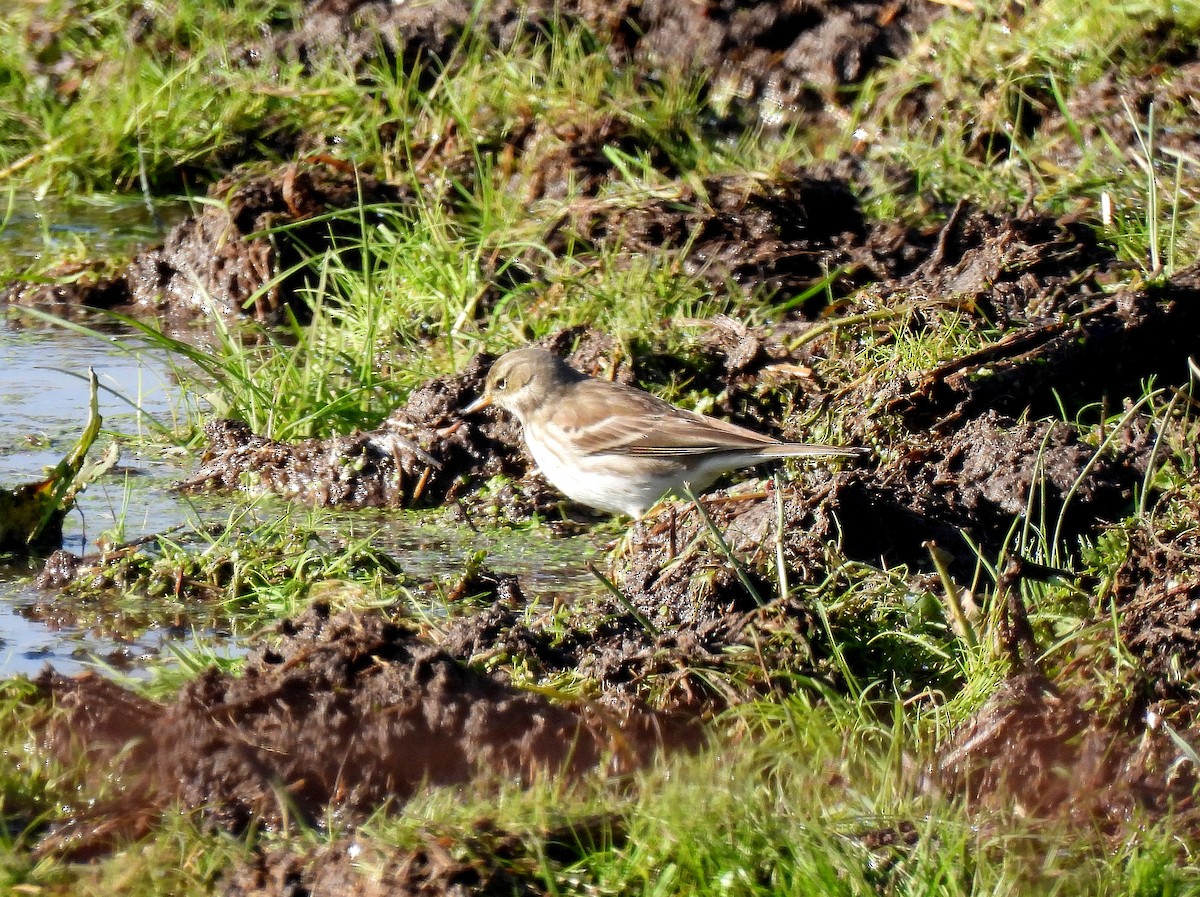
[501, 383]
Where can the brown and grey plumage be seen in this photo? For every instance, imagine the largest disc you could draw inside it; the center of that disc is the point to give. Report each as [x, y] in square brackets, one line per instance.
[617, 448]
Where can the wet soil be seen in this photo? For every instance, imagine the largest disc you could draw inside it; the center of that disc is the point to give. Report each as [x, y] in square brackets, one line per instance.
[954, 465]
[775, 63]
[238, 256]
[425, 454]
[337, 714]
[349, 712]
[688, 609]
[1040, 750]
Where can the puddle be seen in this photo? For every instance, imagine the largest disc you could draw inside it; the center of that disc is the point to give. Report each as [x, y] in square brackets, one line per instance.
[43, 404]
[433, 550]
[97, 227]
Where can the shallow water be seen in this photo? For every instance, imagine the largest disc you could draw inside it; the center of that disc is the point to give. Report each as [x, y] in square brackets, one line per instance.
[97, 227]
[43, 406]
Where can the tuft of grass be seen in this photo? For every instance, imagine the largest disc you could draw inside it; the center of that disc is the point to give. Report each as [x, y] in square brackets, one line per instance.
[1001, 107]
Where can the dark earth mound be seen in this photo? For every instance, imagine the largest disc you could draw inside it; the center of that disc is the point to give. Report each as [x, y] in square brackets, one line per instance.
[346, 713]
[1106, 351]
[1036, 750]
[350, 712]
[775, 63]
[426, 454]
[239, 254]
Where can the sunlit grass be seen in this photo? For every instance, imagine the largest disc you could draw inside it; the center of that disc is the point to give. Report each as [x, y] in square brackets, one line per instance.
[994, 82]
[128, 115]
[783, 800]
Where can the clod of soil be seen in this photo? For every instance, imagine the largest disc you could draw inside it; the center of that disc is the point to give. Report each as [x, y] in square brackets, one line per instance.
[1158, 596]
[417, 458]
[1014, 271]
[681, 657]
[346, 714]
[771, 62]
[985, 474]
[1036, 750]
[775, 237]
[1106, 350]
[219, 261]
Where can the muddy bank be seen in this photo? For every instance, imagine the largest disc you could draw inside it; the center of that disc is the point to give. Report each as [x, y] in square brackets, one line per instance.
[1042, 750]
[770, 62]
[340, 715]
[425, 454]
[1051, 342]
[1101, 353]
[239, 255]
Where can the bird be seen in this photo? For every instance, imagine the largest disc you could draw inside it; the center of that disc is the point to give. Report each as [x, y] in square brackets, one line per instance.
[618, 448]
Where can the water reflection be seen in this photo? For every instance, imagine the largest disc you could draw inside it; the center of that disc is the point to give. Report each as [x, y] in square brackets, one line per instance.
[43, 405]
[99, 226]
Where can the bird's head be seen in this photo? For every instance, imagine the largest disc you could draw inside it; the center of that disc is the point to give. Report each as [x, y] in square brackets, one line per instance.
[524, 379]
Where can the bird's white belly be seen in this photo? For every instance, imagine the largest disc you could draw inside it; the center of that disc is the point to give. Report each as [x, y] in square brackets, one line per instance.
[591, 482]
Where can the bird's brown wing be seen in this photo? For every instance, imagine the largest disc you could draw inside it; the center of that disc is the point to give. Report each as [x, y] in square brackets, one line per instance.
[607, 418]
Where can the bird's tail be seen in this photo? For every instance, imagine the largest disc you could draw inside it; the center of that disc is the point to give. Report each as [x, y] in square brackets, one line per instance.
[812, 450]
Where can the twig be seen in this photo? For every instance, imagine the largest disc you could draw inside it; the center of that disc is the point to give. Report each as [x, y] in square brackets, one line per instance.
[878, 314]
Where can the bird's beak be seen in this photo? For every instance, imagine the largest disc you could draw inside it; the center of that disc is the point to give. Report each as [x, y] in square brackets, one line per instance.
[480, 403]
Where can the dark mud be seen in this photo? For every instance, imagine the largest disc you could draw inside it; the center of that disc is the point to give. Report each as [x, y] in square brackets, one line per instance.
[694, 633]
[1158, 593]
[951, 486]
[482, 860]
[222, 261]
[348, 713]
[1037, 283]
[772, 63]
[1100, 353]
[1039, 750]
[687, 656]
[340, 716]
[736, 233]
[425, 454]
